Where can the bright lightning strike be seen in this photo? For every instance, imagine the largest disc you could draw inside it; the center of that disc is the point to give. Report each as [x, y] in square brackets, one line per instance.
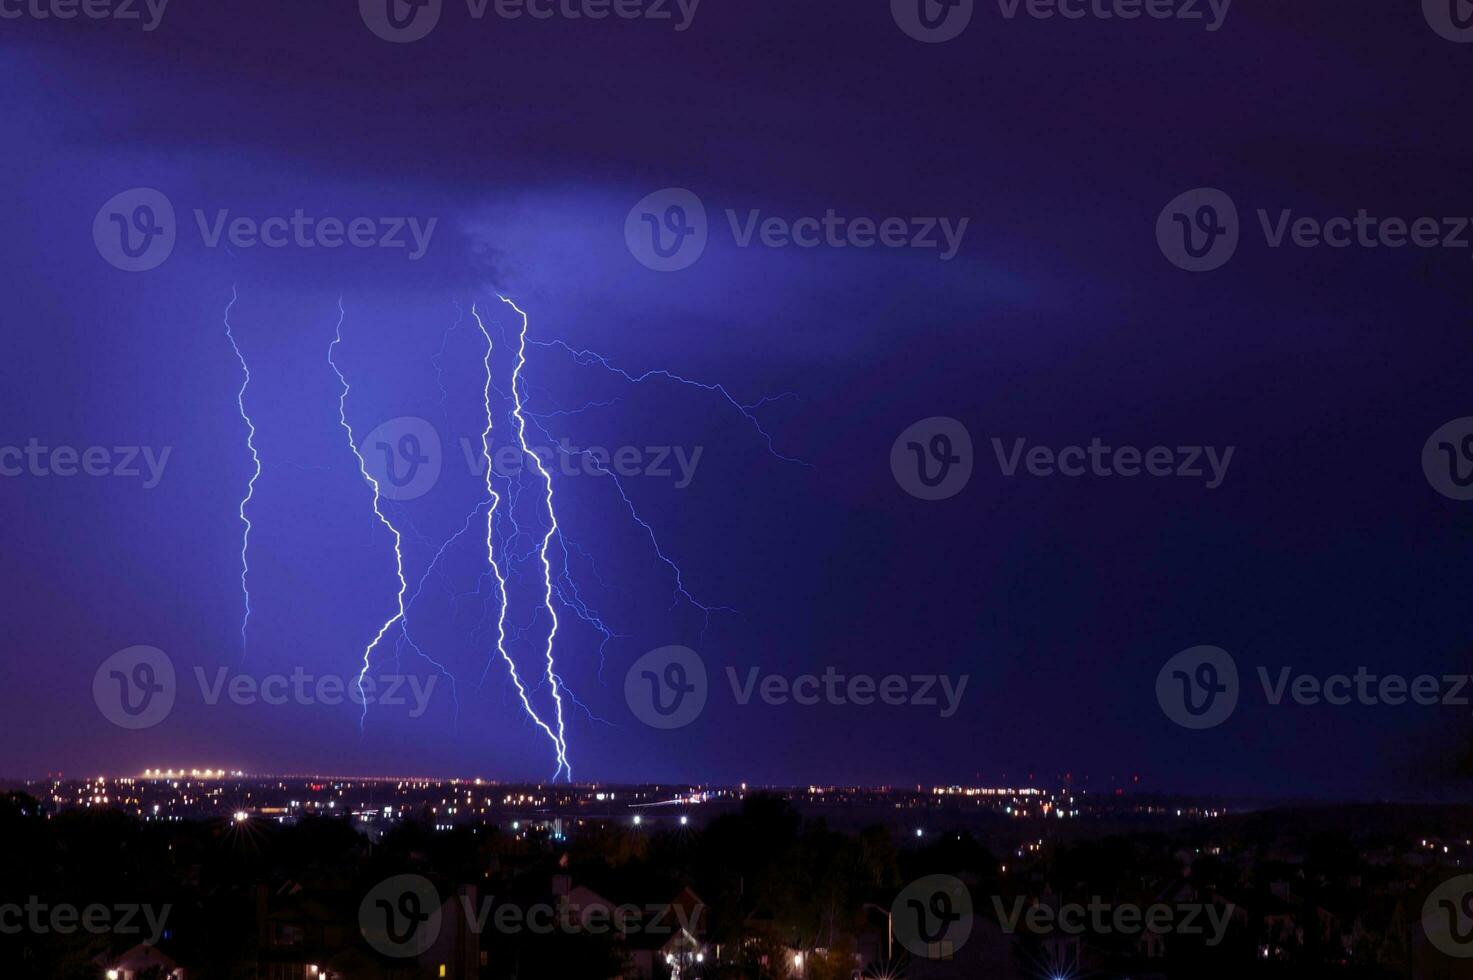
[495, 499]
[245, 538]
[398, 539]
[552, 529]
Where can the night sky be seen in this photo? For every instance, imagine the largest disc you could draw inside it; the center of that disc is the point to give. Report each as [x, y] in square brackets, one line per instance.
[1324, 548]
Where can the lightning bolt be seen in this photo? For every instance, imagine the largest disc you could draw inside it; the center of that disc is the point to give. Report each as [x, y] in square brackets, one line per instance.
[398, 616]
[439, 369]
[680, 592]
[560, 584]
[586, 357]
[552, 529]
[245, 538]
[495, 498]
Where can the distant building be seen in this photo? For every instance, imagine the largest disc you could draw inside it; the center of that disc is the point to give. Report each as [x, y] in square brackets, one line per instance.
[313, 934]
[137, 963]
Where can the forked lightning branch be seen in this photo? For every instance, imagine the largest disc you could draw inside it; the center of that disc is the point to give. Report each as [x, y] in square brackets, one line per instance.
[541, 693]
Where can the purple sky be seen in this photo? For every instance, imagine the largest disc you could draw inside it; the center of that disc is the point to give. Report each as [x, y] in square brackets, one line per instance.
[1059, 320]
